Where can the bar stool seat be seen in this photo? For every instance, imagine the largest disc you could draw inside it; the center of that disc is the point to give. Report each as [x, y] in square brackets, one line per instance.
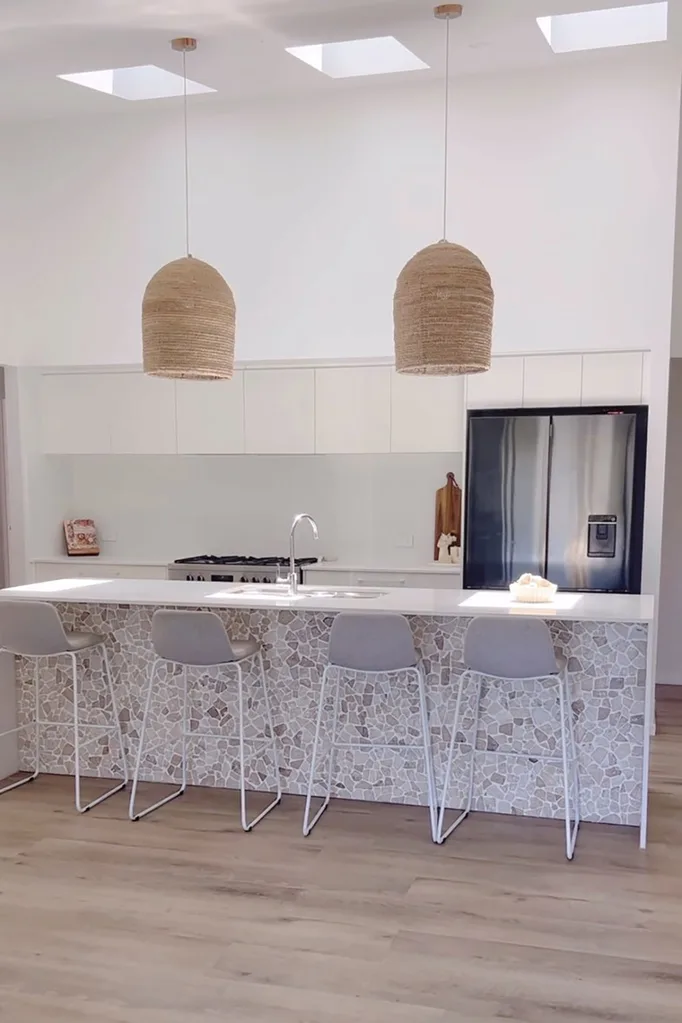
[242, 648]
[198, 639]
[33, 629]
[369, 644]
[82, 640]
[520, 649]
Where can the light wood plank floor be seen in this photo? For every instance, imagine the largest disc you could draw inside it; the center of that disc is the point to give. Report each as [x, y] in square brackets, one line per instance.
[182, 918]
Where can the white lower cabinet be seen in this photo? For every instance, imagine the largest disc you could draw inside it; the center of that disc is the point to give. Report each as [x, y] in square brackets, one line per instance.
[327, 578]
[383, 578]
[89, 568]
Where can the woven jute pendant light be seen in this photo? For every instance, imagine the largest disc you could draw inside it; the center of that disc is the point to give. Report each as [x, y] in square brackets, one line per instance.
[188, 309]
[443, 302]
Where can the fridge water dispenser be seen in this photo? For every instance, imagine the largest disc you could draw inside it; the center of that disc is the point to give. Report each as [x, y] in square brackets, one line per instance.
[601, 536]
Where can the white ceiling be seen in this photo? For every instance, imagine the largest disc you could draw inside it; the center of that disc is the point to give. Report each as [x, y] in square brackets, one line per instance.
[241, 44]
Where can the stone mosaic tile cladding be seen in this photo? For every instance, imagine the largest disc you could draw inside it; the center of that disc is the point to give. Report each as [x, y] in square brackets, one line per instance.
[607, 671]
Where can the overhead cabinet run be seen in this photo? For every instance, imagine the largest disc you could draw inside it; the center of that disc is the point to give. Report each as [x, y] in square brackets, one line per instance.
[537, 381]
[339, 409]
[327, 410]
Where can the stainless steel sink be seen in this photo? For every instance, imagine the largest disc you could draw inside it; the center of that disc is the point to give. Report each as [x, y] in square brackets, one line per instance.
[273, 590]
[277, 590]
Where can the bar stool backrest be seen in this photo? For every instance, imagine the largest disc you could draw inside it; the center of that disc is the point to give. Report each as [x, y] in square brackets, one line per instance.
[507, 647]
[191, 637]
[371, 642]
[31, 628]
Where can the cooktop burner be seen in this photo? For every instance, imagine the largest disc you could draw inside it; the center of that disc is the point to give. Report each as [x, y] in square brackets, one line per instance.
[236, 559]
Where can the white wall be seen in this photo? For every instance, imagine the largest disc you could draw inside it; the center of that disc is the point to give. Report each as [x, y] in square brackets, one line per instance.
[167, 507]
[563, 181]
[669, 665]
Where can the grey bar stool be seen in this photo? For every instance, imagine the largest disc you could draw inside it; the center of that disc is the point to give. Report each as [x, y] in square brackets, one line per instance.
[33, 629]
[192, 639]
[500, 649]
[369, 644]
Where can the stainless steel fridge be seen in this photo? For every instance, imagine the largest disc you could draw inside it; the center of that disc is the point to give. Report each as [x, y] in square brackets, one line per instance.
[555, 492]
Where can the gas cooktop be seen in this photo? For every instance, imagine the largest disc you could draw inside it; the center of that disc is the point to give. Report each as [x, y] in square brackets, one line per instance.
[238, 559]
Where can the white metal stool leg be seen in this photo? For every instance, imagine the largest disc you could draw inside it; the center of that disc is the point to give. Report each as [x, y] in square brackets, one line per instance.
[77, 726]
[573, 748]
[138, 765]
[271, 727]
[21, 728]
[428, 753]
[442, 835]
[308, 825]
[570, 766]
[246, 825]
[333, 747]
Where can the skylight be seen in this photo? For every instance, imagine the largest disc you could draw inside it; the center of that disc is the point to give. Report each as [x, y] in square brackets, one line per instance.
[597, 30]
[381, 56]
[145, 82]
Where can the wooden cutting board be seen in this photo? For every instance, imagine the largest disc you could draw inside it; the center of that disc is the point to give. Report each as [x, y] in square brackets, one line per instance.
[448, 512]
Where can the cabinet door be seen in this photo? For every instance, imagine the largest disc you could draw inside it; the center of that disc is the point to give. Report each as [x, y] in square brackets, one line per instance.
[142, 414]
[331, 579]
[552, 380]
[353, 409]
[79, 568]
[279, 411]
[142, 571]
[385, 580]
[210, 416]
[74, 414]
[436, 581]
[612, 377]
[427, 413]
[646, 378]
[500, 387]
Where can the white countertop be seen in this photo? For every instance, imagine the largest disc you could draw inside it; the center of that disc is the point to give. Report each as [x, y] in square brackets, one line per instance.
[589, 607]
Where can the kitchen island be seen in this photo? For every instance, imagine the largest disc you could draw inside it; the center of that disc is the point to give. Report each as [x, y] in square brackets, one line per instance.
[604, 638]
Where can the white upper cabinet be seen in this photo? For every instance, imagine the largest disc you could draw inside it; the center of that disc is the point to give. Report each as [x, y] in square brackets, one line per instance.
[332, 410]
[279, 411]
[74, 413]
[427, 413]
[552, 380]
[612, 377]
[142, 414]
[646, 378]
[353, 409]
[500, 387]
[210, 416]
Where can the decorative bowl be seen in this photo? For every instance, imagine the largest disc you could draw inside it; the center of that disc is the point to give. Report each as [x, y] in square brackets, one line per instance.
[530, 593]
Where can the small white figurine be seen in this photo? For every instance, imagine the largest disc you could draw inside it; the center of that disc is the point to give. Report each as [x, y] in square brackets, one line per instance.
[444, 541]
[454, 550]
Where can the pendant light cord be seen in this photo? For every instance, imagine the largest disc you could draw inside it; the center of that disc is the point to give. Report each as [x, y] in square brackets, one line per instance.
[184, 103]
[447, 128]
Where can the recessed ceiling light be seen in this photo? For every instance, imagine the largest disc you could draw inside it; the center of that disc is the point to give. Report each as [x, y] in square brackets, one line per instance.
[145, 82]
[597, 30]
[381, 56]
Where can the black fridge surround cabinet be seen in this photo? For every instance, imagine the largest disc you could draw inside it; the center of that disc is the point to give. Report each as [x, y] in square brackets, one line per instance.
[558, 492]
